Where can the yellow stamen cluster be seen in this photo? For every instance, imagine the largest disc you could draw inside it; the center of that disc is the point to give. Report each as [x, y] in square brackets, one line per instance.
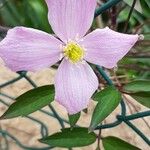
[74, 52]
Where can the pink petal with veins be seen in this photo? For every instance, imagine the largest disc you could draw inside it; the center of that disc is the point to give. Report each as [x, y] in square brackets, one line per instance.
[70, 18]
[74, 85]
[29, 49]
[106, 47]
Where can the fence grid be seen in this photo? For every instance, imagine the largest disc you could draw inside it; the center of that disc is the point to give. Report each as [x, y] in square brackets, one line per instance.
[122, 118]
[44, 130]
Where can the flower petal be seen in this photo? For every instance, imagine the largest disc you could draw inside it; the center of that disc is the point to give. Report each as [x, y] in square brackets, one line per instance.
[71, 18]
[74, 85]
[106, 47]
[29, 49]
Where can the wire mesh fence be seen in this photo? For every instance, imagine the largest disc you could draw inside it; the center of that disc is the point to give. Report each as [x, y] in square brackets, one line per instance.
[122, 118]
[43, 128]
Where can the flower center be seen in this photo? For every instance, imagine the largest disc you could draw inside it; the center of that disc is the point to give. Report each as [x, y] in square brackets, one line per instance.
[74, 52]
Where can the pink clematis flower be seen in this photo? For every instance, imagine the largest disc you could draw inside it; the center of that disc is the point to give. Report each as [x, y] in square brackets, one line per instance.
[75, 82]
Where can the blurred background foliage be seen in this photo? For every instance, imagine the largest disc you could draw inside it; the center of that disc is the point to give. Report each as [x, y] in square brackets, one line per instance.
[33, 13]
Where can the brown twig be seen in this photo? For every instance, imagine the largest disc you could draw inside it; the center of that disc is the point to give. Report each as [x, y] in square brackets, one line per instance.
[119, 85]
[113, 17]
[135, 108]
[141, 25]
[99, 139]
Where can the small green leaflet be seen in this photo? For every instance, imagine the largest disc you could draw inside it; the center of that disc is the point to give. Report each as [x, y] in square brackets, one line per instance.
[73, 119]
[30, 102]
[142, 97]
[109, 98]
[140, 91]
[111, 142]
[137, 86]
[76, 137]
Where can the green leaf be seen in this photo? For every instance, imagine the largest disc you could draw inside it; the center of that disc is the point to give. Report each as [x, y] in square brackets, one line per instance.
[73, 119]
[145, 8]
[103, 93]
[142, 97]
[108, 101]
[30, 101]
[76, 137]
[140, 91]
[148, 3]
[138, 86]
[111, 142]
[40, 12]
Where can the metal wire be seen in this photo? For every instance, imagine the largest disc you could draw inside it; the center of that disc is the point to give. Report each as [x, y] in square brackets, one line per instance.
[122, 118]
